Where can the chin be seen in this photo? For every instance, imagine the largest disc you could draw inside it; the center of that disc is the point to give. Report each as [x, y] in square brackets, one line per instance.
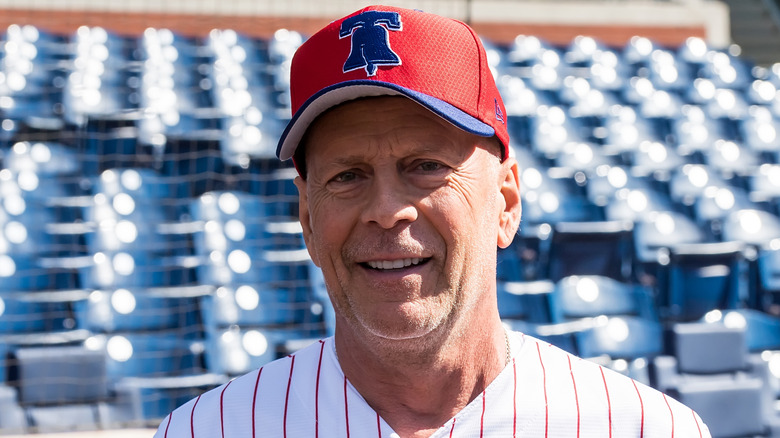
[400, 325]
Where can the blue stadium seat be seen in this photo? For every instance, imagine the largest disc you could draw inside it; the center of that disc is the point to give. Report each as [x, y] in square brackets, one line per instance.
[137, 212]
[711, 373]
[769, 268]
[551, 130]
[730, 159]
[34, 312]
[716, 204]
[727, 70]
[702, 277]
[147, 189]
[652, 103]
[252, 266]
[591, 248]
[42, 158]
[149, 354]
[109, 270]
[26, 273]
[143, 400]
[636, 204]
[707, 348]
[231, 220]
[235, 351]
[583, 296]
[764, 186]
[521, 102]
[561, 337]
[621, 337]
[691, 181]
[668, 72]
[552, 200]
[123, 310]
[759, 129]
[655, 159]
[62, 418]
[694, 130]
[12, 416]
[693, 50]
[281, 194]
[24, 229]
[536, 61]
[259, 305]
[638, 50]
[625, 130]
[655, 234]
[526, 301]
[762, 330]
[753, 227]
[60, 375]
[510, 263]
[583, 157]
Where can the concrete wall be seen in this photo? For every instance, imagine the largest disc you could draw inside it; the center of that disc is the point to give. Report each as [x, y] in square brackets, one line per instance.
[612, 21]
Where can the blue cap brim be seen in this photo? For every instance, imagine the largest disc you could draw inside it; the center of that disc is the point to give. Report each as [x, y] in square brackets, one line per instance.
[345, 91]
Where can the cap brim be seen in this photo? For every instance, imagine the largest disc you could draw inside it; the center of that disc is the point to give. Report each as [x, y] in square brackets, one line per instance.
[350, 90]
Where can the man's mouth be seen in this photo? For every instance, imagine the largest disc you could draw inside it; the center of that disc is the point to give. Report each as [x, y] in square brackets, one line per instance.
[384, 265]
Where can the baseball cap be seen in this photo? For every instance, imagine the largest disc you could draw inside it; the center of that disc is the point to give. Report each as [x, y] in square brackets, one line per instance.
[438, 62]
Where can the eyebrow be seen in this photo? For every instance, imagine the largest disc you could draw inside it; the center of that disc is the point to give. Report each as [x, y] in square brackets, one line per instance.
[352, 159]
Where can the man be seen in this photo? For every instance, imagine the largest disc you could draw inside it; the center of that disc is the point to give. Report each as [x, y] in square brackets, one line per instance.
[406, 189]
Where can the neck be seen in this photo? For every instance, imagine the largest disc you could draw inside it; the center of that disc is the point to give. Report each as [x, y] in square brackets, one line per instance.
[417, 386]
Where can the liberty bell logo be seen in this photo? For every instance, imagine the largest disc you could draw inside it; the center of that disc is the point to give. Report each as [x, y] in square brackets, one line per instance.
[370, 32]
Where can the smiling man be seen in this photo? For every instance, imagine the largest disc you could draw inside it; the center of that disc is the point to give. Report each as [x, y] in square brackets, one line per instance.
[407, 189]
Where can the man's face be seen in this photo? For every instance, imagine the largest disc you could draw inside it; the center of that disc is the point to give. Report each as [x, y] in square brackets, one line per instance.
[403, 212]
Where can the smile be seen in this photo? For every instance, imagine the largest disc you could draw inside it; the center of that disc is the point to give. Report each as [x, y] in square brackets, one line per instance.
[395, 264]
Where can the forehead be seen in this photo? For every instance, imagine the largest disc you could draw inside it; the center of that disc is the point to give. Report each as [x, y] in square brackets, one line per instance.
[365, 123]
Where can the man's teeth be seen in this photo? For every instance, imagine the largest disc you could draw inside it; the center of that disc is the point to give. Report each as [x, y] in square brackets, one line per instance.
[394, 264]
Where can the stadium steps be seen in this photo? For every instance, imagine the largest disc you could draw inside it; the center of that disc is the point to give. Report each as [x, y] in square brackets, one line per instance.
[755, 26]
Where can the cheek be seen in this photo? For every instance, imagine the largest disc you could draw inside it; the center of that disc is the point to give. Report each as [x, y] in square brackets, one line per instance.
[330, 227]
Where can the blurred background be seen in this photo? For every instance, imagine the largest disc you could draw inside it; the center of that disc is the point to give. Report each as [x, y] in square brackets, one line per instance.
[149, 244]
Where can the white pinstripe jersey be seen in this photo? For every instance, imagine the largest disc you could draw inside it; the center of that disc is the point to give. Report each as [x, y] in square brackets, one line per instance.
[543, 392]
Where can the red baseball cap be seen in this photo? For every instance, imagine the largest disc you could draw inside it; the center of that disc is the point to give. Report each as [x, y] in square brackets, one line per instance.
[383, 50]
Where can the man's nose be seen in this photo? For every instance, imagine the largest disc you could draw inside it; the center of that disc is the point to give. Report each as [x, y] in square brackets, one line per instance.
[389, 204]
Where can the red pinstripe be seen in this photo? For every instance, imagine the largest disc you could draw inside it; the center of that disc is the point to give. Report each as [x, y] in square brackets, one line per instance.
[544, 385]
[192, 417]
[514, 400]
[453, 427]
[482, 418]
[378, 425]
[576, 398]
[346, 406]
[697, 422]
[609, 403]
[170, 417]
[317, 395]
[254, 401]
[642, 408]
[222, 408]
[670, 413]
[287, 396]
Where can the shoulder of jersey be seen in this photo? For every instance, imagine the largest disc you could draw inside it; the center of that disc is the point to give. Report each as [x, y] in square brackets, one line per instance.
[598, 389]
[233, 401]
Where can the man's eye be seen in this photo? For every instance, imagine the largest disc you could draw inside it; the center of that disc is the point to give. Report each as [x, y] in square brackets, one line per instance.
[430, 166]
[345, 177]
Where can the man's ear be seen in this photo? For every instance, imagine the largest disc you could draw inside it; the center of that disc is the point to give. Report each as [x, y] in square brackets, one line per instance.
[305, 218]
[509, 217]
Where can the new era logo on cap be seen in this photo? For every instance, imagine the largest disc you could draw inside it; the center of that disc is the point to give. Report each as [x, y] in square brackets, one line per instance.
[370, 40]
[383, 50]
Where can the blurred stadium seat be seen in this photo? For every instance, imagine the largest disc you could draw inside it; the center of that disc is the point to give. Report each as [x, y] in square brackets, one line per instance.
[711, 372]
[147, 228]
[701, 277]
